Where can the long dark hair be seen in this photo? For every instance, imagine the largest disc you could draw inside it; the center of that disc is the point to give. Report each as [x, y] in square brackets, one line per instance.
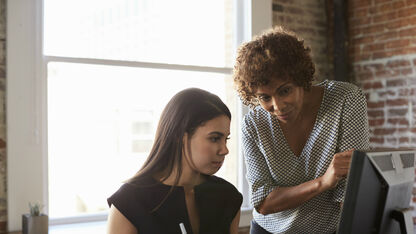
[184, 113]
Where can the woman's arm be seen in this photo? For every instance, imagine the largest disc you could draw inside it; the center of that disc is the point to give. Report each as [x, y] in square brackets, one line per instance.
[117, 223]
[235, 223]
[283, 198]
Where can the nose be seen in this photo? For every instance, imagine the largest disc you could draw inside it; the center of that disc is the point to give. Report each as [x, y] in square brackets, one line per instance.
[277, 105]
[223, 150]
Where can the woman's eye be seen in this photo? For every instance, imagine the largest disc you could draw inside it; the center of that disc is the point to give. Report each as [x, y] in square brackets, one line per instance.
[264, 98]
[285, 91]
[215, 139]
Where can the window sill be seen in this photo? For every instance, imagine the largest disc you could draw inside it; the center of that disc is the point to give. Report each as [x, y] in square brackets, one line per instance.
[98, 227]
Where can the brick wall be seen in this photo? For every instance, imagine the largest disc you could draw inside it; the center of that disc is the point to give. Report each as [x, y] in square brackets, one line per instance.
[382, 56]
[307, 19]
[3, 173]
[382, 49]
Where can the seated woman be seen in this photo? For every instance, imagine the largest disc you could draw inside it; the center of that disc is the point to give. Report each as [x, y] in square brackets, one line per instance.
[175, 190]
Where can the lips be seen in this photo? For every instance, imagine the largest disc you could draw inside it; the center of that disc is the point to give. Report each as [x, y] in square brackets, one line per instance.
[217, 164]
[283, 116]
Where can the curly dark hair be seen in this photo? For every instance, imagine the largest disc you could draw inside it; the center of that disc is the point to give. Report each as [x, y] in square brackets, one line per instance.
[275, 54]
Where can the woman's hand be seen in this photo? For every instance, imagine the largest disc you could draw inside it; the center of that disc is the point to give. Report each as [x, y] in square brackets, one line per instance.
[338, 168]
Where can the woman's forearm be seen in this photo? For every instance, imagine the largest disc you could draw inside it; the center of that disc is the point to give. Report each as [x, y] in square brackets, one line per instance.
[283, 198]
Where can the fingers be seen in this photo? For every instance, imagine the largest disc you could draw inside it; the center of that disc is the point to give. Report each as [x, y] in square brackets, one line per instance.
[341, 163]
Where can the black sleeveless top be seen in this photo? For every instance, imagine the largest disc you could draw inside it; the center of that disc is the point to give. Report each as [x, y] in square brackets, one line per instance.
[217, 201]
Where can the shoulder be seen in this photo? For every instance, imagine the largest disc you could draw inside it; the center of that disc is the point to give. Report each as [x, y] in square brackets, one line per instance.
[339, 90]
[345, 89]
[255, 116]
[125, 195]
[132, 192]
[217, 184]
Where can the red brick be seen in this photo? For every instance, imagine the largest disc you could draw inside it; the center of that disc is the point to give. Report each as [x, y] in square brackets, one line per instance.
[374, 105]
[372, 29]
[396, 82]
[403, 131]
[408, 32]
[385, 7]
[373, 67]
[399, 121]
[406, 71]
[397, 43]
[2, 144]
[359, 3]
[387, 73]
[377, 85]
[361, 57]
[382, 54]
[376, 122]
[406, 92]
[404, 140]
[397, 24]
[399, 4]
[398, 63]
[381, 1]
[362, 40]
[365, 76]
[391, 140]
[410, 2]
[386, 93]
[3, 226]
[397, 102]
[360, 21]
[407, 11]
[359, 13]
[397, 112]
[378, 140]
[384, 131]
[375, 113]
[385, 36]
[373, 47]
[385, 17]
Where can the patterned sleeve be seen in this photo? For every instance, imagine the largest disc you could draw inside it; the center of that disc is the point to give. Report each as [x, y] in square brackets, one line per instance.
[258, 174]
[354, 131]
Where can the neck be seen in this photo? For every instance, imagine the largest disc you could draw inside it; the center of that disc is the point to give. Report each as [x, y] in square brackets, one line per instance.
[188, 179]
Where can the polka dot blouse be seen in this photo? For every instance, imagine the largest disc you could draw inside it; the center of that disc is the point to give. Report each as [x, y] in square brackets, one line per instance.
[341, 124]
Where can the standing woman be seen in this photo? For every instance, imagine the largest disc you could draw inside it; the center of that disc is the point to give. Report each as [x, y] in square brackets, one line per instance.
[175, 190]
[297, 137]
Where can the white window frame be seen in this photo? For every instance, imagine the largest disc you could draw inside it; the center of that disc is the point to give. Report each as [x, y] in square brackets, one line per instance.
[26, 104]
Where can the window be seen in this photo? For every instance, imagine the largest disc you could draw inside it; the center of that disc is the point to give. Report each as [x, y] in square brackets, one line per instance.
[102, 117]
[47, 84]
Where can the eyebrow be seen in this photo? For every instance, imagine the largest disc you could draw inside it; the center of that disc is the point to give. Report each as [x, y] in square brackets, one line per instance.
[278, 88]
[218, 133]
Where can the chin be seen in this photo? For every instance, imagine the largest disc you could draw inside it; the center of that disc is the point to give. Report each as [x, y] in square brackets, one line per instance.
[209, 173]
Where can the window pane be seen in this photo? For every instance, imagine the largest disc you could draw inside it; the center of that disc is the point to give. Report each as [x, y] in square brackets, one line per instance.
[195, 32]
[101, 125]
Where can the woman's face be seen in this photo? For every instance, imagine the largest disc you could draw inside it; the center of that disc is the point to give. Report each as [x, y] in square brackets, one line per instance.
[282, 98]
[208, 145]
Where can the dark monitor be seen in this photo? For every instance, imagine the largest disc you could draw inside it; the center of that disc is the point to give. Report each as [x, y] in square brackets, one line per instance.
[378, 193]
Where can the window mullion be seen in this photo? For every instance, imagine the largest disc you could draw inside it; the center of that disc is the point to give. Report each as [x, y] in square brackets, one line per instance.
[221, 70]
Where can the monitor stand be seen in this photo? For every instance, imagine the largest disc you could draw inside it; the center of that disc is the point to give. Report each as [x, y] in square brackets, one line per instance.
[404, 217]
